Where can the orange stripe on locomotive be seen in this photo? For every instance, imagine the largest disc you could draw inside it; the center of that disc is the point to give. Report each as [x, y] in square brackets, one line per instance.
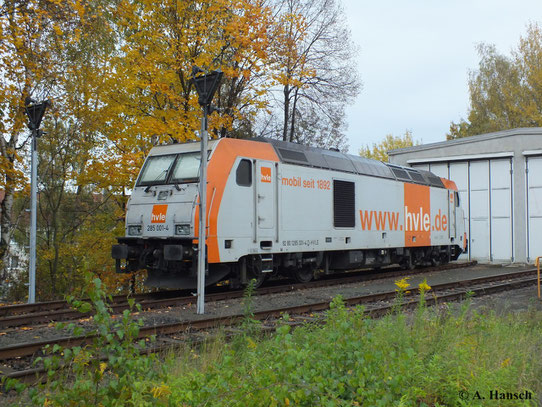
[220, 165]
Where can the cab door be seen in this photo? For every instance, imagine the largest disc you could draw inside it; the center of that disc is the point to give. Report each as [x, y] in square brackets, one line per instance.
[264, 198]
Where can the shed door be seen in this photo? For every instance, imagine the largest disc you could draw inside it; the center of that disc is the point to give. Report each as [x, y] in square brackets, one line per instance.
[479, 209]
[501, 209]
[534, 207]
[451, 214]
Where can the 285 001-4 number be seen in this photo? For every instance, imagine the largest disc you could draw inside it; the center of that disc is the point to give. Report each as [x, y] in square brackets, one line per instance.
[157, 228]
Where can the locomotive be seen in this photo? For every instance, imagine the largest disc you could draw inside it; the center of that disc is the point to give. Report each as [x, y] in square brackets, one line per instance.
[280, 208]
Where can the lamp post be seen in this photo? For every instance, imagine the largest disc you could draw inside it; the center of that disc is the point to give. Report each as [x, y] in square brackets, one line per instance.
[206, 85]
[35, 112]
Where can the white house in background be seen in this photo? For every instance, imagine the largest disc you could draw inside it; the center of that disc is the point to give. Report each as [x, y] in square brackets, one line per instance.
[499, 177]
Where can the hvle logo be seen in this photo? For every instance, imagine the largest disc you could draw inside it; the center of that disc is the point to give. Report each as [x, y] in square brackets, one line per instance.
[266, 174]
[158, 214]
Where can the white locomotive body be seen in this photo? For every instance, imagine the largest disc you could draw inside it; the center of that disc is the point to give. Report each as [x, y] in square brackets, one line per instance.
[281, 208]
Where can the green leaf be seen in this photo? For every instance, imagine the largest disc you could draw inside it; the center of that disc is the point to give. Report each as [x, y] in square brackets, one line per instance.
[84, 307]
[67, 354]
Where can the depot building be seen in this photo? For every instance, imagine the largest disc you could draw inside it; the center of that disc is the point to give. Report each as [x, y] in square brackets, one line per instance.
[499, 178]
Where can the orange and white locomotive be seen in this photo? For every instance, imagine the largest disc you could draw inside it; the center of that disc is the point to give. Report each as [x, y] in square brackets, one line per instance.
[275, 207]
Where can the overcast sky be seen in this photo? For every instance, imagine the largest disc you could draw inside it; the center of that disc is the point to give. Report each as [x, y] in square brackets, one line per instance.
[414, 58]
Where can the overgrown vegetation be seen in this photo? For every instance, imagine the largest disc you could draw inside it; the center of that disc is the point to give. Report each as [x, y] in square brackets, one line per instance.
[108, 371]
[432, 357]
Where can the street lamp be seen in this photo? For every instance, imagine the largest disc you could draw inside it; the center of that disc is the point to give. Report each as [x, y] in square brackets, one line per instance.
[35, 112]
[206, 85]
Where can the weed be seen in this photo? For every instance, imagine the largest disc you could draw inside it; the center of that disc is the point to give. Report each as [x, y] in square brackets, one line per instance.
[107, 371]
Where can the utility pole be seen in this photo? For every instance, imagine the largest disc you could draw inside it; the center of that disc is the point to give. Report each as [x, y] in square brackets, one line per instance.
[206, 85]
[35, 112]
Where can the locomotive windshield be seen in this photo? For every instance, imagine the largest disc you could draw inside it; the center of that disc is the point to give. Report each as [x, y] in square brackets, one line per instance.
[156, 170]
[170, 169]
[186, 168]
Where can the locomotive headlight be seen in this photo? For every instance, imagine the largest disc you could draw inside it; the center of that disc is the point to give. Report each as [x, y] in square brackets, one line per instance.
[182, 230]
[134, 230]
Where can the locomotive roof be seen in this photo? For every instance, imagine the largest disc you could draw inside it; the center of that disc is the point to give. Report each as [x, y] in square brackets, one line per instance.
[192, 145]
[293, 153]
[299, 154]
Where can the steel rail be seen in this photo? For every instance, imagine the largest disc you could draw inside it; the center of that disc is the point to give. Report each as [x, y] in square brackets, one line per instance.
[410, 301]
[28, 349]
[59, 311]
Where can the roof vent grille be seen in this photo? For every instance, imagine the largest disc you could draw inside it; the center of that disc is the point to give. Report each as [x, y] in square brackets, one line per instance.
[292, 155]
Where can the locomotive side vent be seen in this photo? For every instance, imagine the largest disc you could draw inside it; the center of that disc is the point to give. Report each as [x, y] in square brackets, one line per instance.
[416, 176]
[344, 204]
[400, 173]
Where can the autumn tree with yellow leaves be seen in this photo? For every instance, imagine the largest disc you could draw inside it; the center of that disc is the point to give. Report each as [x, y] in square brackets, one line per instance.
[118, 73]
[150, 99]
[505, 91]
[52, 49]
[379, 151]
[27, 40]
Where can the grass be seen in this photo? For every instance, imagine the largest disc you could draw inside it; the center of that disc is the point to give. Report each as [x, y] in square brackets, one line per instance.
[427, 358]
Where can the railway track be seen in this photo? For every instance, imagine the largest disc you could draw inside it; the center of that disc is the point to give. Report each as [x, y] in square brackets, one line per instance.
[12, 316]
[376, 305]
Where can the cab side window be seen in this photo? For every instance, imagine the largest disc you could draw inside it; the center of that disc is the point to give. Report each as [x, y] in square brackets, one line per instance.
[244, 173]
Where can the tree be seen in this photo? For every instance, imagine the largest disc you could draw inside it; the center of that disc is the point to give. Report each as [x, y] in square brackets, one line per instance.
[77, 223]
[118, 72]
[52, 50]
[505, 91]
[151, 100]
[379, 151]
[313, 73]
[27, 66]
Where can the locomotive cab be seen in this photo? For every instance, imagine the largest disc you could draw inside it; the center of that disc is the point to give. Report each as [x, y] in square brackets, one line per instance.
[160, 218]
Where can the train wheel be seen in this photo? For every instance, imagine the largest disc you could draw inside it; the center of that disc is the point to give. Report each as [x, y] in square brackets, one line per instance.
[438, 259]
[254, 271]
[303, 274]
[407, 263]
[258, 277]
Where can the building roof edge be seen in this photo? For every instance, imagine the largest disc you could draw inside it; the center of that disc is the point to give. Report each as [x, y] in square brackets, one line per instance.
[466, 140]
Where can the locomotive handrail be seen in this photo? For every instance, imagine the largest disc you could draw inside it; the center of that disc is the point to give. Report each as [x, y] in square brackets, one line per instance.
[537, 263]
[209, 211]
